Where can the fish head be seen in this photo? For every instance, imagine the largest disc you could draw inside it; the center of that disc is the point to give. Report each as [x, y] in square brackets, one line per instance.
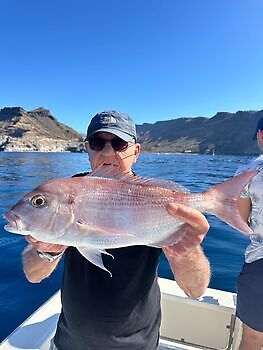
[43, 213]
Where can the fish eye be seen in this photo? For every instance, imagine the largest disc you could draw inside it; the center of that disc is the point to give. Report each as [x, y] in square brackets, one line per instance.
[38, 201]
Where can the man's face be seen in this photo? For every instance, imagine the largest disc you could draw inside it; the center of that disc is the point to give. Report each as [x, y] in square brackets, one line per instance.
[122, 159]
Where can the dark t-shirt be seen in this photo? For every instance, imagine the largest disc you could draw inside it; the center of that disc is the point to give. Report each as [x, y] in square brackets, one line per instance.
[103, 312]
[100, 312]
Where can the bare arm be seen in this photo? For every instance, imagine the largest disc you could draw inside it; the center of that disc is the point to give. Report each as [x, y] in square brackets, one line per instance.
[190, 267]
[191, 271]
[244, 207]
[35, 268]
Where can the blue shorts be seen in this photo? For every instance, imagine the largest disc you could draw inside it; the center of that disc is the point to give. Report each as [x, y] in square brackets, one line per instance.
[250, 295]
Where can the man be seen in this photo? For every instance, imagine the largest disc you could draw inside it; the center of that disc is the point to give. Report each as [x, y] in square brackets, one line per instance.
[250, 280]
[122, 311]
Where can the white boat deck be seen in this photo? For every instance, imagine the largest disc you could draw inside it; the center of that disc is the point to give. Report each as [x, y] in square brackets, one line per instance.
[187, 324]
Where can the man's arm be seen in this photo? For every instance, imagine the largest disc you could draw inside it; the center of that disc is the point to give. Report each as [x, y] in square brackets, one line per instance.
[35, 268]
[191, 271]
[244, 207]
[190, 267]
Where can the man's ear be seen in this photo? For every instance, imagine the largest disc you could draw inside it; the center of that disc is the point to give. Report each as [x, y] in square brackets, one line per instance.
[260, 139]
[137, 151]
[86, 146]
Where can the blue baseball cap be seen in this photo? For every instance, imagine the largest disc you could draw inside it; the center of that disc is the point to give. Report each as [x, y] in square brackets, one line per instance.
[117, 123]
[259, 127]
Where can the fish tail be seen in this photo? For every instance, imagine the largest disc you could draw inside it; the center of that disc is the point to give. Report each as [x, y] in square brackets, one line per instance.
[223, 198]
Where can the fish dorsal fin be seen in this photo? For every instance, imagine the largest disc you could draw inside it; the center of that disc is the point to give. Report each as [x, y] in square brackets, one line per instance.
[170, 185]
[111, 172]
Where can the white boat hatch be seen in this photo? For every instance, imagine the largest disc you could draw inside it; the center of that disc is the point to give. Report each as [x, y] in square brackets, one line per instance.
[206, 323]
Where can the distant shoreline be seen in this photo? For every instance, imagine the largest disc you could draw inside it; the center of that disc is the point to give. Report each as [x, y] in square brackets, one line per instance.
[142, 152]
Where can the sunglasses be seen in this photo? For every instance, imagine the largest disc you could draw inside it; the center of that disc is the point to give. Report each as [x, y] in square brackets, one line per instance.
[97, 144]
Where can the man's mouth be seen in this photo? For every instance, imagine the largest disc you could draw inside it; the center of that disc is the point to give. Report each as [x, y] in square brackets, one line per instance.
[110, 164]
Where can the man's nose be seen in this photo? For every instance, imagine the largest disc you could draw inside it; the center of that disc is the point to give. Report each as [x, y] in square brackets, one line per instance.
[108, 148]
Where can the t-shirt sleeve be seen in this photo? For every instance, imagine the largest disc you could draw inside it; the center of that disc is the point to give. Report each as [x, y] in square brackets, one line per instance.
[245, 192]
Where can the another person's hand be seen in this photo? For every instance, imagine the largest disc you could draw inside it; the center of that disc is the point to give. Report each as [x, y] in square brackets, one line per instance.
[193, 231]
[45, 247]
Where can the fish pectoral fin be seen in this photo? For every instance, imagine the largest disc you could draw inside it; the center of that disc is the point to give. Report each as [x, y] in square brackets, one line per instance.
[94, 256]
[86, 227]
[97, 230]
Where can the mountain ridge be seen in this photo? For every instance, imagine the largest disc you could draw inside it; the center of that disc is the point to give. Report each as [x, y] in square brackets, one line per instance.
[35, 130]
[224, 133]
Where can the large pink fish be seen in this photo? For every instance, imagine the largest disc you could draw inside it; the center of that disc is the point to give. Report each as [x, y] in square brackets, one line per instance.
[110, 210]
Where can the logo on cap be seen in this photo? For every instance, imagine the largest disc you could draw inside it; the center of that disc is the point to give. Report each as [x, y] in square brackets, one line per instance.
[108, 120]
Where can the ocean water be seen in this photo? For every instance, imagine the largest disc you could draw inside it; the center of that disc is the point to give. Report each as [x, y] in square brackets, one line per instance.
[21, 172]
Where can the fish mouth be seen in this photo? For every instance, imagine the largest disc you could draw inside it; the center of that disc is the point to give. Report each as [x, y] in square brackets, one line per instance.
[15, 224]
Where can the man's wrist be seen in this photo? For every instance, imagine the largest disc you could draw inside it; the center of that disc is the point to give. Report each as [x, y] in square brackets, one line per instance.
[49, 257]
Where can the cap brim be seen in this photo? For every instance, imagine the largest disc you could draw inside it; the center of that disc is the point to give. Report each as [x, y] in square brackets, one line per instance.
[120, 134]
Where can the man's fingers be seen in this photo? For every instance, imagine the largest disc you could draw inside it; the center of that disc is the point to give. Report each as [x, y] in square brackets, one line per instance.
[189, 215]
[189, 240]
[30, 239]
[192, 231]
[46, 247]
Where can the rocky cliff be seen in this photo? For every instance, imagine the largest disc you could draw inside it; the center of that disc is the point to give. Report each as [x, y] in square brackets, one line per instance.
[225, 133]
[35, 130]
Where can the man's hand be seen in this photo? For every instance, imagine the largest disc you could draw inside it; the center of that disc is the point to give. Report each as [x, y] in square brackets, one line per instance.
[189, 265]
[45, 247]
[193, 231]
[35, 268]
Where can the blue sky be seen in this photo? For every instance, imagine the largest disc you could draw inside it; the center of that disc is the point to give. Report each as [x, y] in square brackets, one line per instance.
[152, 59]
